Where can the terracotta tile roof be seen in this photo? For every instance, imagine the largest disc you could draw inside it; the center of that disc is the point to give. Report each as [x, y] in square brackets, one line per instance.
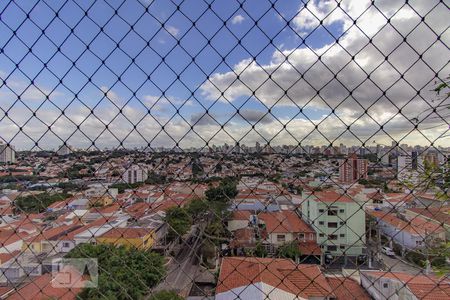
[8, 237]
[284, 221]
[309, 248]
[53, 233]
[243, 237]
[416, 226]
[425, 287]
[346, 288]
[331, 196]
[302, 280]
[439, 214]
[41, 288]
[242, 215]
[127, 233]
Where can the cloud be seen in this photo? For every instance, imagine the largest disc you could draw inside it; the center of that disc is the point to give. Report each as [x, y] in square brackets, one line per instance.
[172, 30]
[256, 116]
[352, 76]
[379, 89]
[237, 19]
[202, 118]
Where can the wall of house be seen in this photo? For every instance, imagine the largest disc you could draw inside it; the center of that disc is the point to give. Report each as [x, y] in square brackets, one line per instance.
[395, 290]
[237, 224]
[140, 243]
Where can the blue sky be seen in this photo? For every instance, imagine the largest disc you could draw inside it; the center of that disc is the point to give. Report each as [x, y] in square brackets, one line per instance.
[135, 54]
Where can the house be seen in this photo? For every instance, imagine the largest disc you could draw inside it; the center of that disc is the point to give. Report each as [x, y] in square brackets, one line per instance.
[11, 240]
[23, 265]
[100, 201]
[240, 219]
[284, 227]
[91, 234]
[267, 278]
[47, 240]
[346, 288]
[411, 234]
[46, 287]
[141, 238]
[338, 220]
[399, 286]
[438, 215]
[430, 200]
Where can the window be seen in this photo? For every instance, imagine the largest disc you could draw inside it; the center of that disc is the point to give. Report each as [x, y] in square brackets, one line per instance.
[342, 235]
[385, 285]
[332, 212]
[342, 246]
[332, 225]
[321, 223]
[341, 211]
[66, 244]
[332, 248]
[321, 211]
[332, 236]
[281, 238]
[301, 236]
[321, 234]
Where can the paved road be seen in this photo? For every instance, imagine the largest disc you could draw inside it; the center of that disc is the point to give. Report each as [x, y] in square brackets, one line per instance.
[183, 268]
[397, 265]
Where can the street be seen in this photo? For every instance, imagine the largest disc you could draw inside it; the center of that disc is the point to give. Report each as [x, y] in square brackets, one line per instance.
[395, 264]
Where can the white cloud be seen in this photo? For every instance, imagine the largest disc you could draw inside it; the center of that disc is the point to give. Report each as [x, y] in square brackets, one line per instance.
[172, 30]
[285, 76]
[237, 19]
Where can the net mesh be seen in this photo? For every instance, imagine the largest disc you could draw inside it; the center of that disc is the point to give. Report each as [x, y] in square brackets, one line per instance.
[224, 149]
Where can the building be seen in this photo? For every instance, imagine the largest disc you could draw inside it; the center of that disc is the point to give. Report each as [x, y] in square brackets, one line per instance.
[406, 164]
[399, 285]
[339, 221]
[141, 238]
[415, 233]
[251, 278]
[284, 227]
[135, 174]
[352, 169]
[7, 154]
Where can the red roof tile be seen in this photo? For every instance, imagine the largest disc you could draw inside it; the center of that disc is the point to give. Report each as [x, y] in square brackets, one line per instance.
[346, 288]
[284, 221]
[302, 280]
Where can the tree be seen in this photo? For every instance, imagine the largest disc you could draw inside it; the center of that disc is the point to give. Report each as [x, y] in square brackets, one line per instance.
[123, 272]
[37, 203]
[289, 250]
[196, 208]
[223, 193]
[179, 222]
[166, 295]
[260, 251]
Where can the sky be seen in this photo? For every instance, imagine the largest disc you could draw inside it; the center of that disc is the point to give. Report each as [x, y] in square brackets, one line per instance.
[194, 73]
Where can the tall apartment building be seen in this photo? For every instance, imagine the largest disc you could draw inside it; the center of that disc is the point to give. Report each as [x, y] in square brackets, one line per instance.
[409, 162]
[135, 174]
[338, 220]
[7, 154]
[352, 169]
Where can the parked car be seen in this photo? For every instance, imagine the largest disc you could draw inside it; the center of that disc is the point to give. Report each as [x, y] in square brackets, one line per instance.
[362, 259]
[328, 257]
[388, 251]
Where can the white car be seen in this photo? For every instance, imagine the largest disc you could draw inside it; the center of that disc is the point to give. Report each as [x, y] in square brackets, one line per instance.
[388, 251]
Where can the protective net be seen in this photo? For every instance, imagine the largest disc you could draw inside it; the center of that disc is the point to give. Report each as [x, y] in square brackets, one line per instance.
[224, 149]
